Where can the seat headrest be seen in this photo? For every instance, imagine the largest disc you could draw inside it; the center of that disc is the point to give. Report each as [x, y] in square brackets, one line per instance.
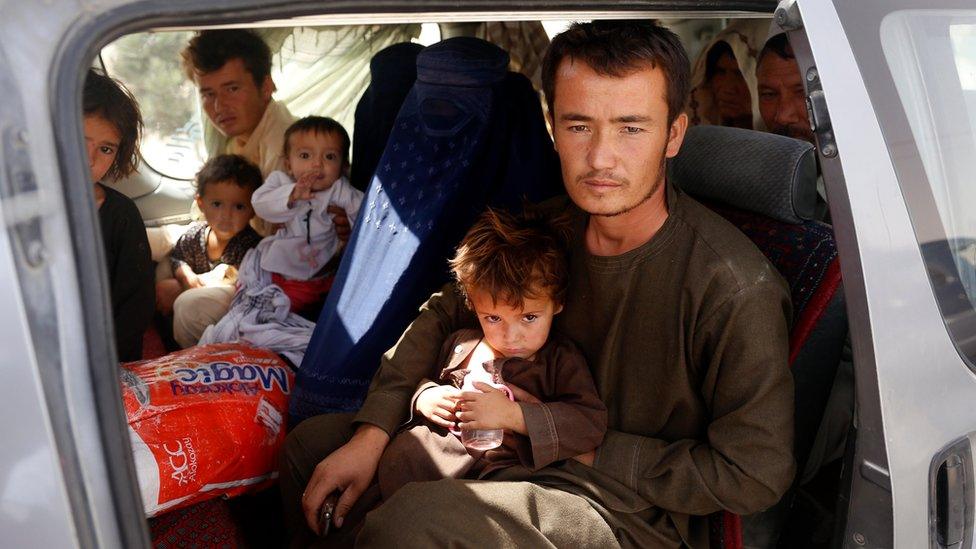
[759, 172]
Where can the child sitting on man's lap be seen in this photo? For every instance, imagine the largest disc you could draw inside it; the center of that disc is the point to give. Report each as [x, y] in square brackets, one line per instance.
[513, 273]
[317, 159]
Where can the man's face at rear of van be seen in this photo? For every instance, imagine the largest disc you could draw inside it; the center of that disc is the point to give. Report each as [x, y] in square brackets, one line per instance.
[613, 135]
[782, 99]
[233, 101]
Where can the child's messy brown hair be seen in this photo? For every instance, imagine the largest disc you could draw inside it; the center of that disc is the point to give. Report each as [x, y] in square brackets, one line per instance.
[514, 258]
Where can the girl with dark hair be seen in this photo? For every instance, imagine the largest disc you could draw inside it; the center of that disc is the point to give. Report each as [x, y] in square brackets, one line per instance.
[112, 126]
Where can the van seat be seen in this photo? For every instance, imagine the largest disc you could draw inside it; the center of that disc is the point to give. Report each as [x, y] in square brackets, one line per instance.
[765, 185]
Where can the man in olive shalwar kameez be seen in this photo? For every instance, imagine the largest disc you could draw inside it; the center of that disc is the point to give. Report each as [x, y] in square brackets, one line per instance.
[682, 321]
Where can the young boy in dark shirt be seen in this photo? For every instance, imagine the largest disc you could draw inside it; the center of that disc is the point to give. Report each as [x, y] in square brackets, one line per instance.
[208, 253]
[513, 273]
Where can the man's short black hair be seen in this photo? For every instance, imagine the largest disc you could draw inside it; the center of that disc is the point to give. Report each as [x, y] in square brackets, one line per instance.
[319, 124]
[209, 50]
[616, 48]
[780, 45]
[108, 99]
[232, 168]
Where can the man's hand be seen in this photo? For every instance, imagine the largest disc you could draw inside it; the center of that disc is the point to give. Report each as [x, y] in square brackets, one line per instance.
[587, 458]
[439, 405]
[349, 470]
[490, 409]
[521, 395]
[341, 221]
[303, 188]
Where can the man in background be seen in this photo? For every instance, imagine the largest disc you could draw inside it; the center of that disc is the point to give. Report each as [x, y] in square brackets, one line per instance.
[232, 70]
[782, 98]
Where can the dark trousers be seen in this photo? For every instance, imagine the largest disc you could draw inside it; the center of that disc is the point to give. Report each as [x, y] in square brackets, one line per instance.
[444, 513]
[308, 444]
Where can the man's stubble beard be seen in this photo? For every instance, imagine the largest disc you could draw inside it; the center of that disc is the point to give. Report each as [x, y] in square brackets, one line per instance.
[795, 133]
[654, 187]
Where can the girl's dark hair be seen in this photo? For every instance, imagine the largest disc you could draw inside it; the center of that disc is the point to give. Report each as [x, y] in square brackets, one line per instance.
[616, 48]
[231, 168]
[319, 124]
[108, 99]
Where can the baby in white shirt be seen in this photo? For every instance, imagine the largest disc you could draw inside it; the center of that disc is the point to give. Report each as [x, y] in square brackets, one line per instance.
[316, 158]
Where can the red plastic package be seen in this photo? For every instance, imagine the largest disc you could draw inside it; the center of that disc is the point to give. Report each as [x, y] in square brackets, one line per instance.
[204, 422]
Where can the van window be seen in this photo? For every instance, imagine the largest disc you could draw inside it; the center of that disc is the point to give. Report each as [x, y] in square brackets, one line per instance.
[932, 58]
[317, 70]
[149, 64]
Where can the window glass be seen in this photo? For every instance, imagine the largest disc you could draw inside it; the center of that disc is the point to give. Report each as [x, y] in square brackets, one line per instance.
[317, 70]
[322, 70]
[932, 58]
[149, 65]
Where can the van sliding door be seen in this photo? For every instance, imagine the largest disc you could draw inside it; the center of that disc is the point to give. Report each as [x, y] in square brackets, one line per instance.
[899, 81]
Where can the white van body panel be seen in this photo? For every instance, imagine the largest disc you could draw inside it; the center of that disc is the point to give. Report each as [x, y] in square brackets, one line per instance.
[33, 502]
[926, 390]
[35, 506]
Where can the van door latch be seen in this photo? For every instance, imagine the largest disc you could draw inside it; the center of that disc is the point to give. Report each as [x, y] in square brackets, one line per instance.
[951, 497]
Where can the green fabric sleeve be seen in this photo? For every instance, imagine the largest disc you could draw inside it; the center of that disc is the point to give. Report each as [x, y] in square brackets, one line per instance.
[743, 462]
[412, 359]
[571, 424]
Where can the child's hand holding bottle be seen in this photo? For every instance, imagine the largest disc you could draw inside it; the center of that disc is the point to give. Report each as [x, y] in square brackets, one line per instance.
[486, 411]
[439, 405]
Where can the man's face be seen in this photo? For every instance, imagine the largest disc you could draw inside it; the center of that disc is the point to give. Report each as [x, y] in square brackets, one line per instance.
[782, 100]
[231, 99]
[612, 136]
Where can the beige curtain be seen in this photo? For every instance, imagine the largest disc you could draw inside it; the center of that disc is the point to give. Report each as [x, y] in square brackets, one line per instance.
[321, 70]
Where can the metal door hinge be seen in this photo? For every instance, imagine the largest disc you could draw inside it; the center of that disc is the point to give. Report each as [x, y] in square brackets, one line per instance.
[787, 16]
[818, 115]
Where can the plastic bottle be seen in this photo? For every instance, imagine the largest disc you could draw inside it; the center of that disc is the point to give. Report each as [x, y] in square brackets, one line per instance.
[482, 439]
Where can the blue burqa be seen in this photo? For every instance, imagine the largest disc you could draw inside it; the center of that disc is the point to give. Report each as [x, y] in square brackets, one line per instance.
[470, 134]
